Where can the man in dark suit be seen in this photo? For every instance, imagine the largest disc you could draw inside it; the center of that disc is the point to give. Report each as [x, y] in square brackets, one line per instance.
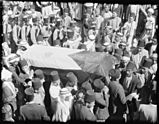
[130, 81]
[102, 100]
[146, 88]
[117, 100]
[87, 110]
[32, 111]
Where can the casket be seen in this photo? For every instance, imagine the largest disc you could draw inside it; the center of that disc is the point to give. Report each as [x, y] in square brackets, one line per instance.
[86, 65]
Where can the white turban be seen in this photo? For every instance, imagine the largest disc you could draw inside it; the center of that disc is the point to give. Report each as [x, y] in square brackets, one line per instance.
[5, 74]
[151, 10]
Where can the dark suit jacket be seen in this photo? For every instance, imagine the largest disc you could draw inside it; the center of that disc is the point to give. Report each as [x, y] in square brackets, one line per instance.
[101, 106]
[33, 112]
[133, 84]
[87, 115]
[47, 99]
[76, 111]
[117, 99]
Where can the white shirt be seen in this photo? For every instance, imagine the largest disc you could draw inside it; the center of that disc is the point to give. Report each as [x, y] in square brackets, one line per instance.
[54, 91]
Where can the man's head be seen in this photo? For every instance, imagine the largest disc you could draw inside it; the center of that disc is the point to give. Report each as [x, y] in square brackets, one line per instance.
[55, 79]
[106, 8]
[24, 65]
[141, 45]
[114, 74]
[36, 83]
[130, 68]
[131, 18]
[90, 98]
[150, 12]
[29, 94]
[72, 79]
[65, 94]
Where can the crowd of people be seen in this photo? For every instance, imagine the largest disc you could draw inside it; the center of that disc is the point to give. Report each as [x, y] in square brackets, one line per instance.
[127, 32]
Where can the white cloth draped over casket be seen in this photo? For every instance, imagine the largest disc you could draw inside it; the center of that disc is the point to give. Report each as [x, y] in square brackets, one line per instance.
[51, 57]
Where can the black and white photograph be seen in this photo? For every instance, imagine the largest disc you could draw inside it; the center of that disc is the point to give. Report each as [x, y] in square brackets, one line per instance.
[79, 61]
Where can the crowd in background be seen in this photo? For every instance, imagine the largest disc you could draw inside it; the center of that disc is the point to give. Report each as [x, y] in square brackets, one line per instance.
[127, 32]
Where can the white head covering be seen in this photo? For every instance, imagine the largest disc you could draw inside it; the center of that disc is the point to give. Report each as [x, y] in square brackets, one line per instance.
[151, 10]
[5, 74]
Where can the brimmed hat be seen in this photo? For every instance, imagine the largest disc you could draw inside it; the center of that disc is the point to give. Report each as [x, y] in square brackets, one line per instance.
[141, 43]
[23, 63]
[87, 86]
[29, 91]
[90, 96]
[131, 66]
[54, 76]
[13, 58]
[71, 78]
[147, 63]
[98, 84]
[36, 83]
[114, 73]
[65, 92]
[39, 74]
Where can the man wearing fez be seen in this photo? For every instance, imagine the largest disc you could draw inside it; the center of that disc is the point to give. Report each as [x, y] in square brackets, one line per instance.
[58, 31]
[146, 79]
[115, 21]
[45, 29]
[117, 100]
[129, 80]
[24, 28]
[140, 54]
[72, 82]
[102, 100]
[129, 30]
[32, 111]
[87, 110]
[15, 34]
[67, 18]
[34, 31]
[54, 91]
[38, 94]
[90, 42]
